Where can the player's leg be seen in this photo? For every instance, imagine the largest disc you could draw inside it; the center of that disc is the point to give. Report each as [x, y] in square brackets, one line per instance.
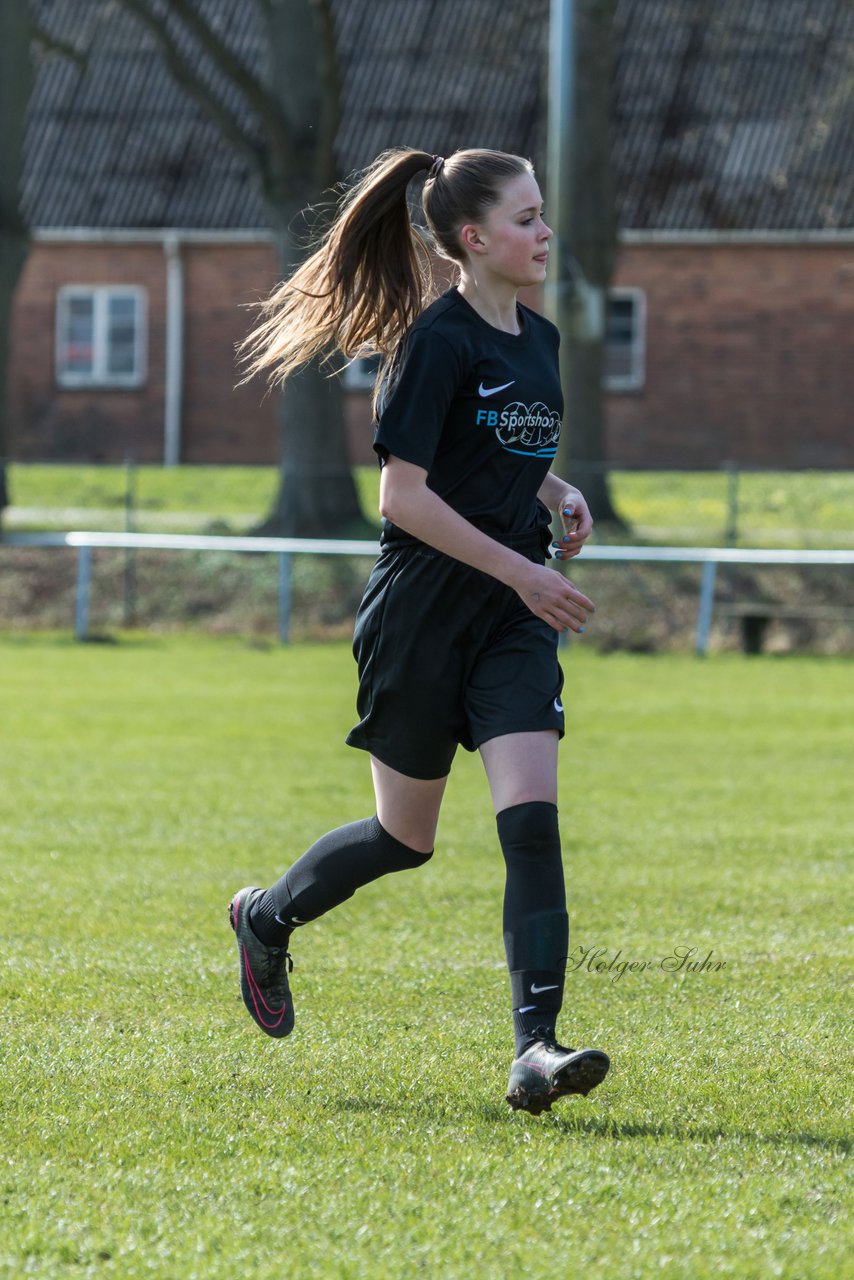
[522, 772]
[408, 808]
[408, 703]
[398, 837]
[521, 768]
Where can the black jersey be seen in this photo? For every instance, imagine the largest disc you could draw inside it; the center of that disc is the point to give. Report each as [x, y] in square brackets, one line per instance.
[479, 409]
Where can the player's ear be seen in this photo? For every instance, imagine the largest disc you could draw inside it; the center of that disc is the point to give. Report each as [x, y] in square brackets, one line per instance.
[471, 238]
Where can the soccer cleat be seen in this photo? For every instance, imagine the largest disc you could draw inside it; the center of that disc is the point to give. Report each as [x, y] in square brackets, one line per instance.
[546, 1071]
[263, 971]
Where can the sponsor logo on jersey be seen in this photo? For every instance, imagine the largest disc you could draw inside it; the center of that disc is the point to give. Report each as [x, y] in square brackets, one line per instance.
[520, 428]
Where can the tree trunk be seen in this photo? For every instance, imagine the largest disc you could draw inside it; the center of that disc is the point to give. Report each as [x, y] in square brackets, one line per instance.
[317, 495]
[593, 243]
[16, 78]
[589, 465]
[294, 99]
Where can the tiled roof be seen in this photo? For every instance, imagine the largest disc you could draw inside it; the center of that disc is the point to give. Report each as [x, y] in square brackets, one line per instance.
[119, 144]
[729, 114]
[442, 74]
[734, 114]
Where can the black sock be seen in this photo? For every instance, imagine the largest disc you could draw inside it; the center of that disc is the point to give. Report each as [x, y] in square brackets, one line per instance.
[328, 874]
[536, 927]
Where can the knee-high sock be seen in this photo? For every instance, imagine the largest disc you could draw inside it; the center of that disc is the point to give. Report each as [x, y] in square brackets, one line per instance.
[328, 874]
[536, 927]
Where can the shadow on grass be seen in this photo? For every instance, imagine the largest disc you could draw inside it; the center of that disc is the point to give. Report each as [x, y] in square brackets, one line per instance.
[593, 1126]
[606, 1127]
[51, 639]
[133, 639]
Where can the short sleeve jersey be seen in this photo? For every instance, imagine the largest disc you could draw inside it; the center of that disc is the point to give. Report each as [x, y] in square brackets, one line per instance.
[479, 409]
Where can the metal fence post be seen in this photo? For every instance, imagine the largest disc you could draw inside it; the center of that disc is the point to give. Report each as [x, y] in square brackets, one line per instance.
[81, 600]
[707, 600]
[284, 597]
[130, 554]
[731, 531]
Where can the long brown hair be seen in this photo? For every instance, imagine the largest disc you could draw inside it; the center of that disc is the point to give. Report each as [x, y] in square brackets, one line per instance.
[370, 276]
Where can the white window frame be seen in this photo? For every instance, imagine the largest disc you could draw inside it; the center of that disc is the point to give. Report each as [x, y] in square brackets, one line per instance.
[636, 380]
[101, 295]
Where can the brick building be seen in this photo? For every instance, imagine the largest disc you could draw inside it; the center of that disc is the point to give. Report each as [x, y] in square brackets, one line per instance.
[731, 319]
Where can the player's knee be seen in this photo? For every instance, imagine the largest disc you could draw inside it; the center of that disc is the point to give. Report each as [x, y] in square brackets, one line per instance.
[529, 831]
[410, 844]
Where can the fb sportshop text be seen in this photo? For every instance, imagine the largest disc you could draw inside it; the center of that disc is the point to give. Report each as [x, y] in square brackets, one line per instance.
[680, 960]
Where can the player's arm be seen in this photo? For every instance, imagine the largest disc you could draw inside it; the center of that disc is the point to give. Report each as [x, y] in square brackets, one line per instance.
[407, 502]
[570, 504]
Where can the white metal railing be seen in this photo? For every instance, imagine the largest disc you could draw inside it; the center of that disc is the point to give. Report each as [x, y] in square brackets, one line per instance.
[286, 548]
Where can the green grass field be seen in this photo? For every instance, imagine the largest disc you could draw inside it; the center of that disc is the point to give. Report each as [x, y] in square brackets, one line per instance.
[149, 1130]
[798, 509]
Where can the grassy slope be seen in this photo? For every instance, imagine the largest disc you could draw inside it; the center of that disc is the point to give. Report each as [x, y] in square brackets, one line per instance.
[150, 1130]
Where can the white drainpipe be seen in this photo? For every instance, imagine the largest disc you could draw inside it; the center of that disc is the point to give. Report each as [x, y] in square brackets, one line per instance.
[174, 374]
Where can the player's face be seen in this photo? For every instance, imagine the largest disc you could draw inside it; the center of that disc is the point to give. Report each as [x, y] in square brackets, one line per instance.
[514, 237]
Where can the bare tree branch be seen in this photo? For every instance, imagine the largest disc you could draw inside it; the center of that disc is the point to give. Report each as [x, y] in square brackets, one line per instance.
[225, 60]
[185, 74]
[52, 44]
[295, 145]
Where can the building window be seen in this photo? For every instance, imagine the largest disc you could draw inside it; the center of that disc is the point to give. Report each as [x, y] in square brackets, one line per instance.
[100, 336]
[625, 340]
[361, 374]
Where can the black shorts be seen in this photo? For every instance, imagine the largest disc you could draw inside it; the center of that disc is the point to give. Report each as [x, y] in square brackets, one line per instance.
[449, 655]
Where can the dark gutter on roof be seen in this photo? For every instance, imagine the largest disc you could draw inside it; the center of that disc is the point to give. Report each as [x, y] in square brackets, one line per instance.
[149, 235]
[144, 235]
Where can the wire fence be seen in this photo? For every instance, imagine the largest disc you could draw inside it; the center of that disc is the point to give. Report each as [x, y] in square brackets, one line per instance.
[647, 604]
[758, 613]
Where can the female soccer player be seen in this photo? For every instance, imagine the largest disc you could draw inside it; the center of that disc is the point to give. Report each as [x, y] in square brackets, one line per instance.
[456, 635]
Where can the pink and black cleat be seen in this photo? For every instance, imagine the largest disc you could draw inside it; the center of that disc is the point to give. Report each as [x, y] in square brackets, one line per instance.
[263, 971]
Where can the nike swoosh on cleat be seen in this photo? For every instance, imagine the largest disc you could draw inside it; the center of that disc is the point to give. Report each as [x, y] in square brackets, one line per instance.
[535, 991]
[256, 996]
[491, 391]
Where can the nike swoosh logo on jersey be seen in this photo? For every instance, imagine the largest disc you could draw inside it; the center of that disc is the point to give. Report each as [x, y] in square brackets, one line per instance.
[491, 391]
[535, 991]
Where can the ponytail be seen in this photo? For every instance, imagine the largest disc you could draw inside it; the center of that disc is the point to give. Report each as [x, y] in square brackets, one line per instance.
[370, 277]
[361, 289]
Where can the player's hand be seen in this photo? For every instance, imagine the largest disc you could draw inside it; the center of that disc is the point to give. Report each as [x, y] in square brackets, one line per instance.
[577, 524]
[554, 598]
